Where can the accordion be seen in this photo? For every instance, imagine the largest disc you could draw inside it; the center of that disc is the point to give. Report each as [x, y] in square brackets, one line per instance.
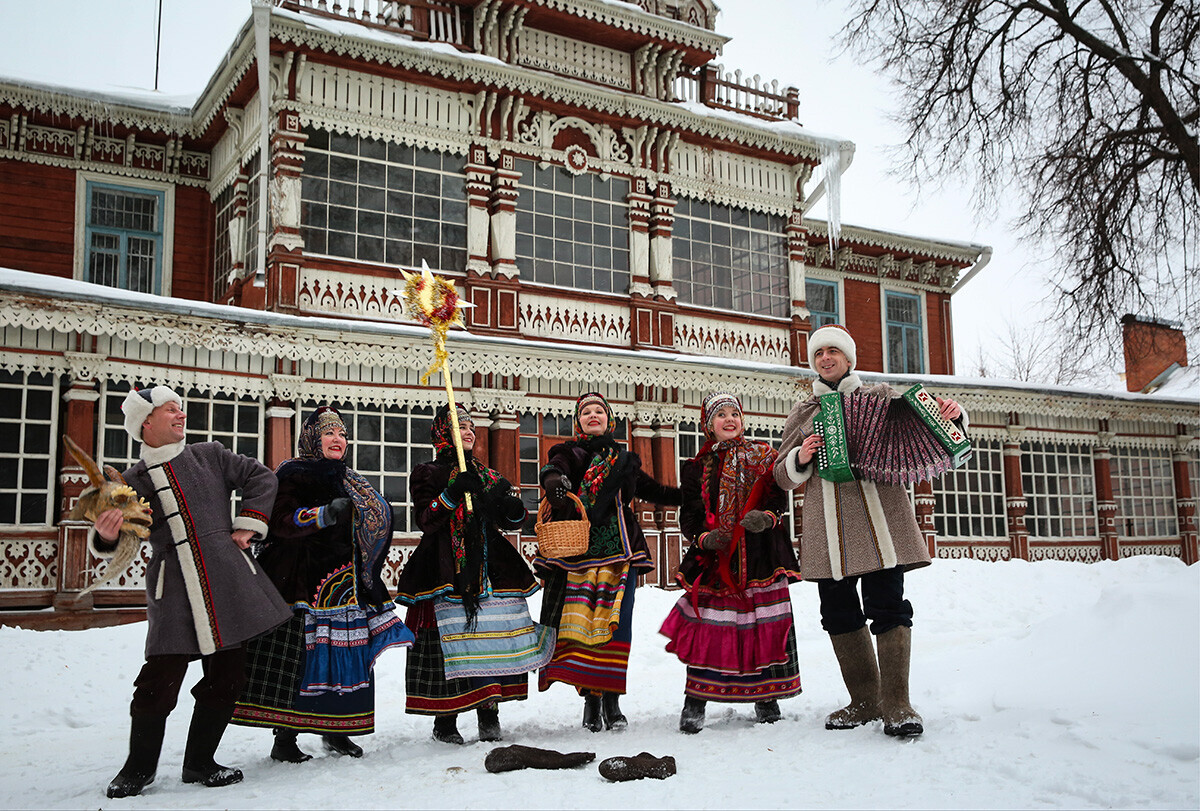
[891, 440]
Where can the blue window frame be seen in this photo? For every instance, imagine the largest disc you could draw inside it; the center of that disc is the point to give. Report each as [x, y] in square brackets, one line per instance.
[124, 237]
[822, 301]
[905, 353]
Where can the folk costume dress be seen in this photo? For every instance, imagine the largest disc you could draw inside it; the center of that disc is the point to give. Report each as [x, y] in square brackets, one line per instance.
[589, 597]
[315, 674]
[466, 587]
[733, 627]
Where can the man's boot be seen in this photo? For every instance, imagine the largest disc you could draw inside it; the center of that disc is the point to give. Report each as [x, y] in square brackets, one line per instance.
[285, 749]
[610, 711]
[591, 712]
[895, 651]
[860, 672]
[204, 736]
[691, 720]
[145, 744]
[445, 729]
[488, 719]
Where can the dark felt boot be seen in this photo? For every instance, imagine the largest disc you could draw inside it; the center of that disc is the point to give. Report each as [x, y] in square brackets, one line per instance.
[488, 719]
[204, 735]
[691, 720]
[620, 769]
[285, 749]
[860, 672]
[512, 758]
[341, 745]
[591, 712]
[610, 711]
[767, 712]
[145, 744]
[445, 729]
[895, 650]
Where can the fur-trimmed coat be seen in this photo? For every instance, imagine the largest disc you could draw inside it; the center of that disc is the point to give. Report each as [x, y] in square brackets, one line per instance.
[854, 527]
[203, 593]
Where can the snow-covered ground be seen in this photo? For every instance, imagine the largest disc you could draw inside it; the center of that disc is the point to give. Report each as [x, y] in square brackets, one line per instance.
[1044, 685]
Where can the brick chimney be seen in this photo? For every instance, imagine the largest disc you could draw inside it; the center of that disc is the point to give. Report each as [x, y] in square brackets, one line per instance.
[1151, 348]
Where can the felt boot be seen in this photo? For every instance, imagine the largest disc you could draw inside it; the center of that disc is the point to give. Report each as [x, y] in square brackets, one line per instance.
[767, 712]
[691, 720]
[145, 744]
[341, 745]
[620, 769]
[895, 651]
[445, 729]
[860, 672]
[489, 723]
[204, 735]
[610, 711]
[285, 749]
[591, 712]
[511, 758]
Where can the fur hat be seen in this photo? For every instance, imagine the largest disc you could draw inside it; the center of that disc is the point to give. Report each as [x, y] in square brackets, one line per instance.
[834, 335]
[139, 403]
[714, 403]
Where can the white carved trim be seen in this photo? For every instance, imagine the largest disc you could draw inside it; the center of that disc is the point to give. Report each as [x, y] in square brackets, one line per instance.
[708, 336]
[586, 322]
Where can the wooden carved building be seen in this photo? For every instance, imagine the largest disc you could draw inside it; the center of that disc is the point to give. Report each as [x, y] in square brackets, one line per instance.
[622, 213]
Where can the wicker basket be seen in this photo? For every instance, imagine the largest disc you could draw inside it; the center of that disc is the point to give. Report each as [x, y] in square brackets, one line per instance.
[562, 539]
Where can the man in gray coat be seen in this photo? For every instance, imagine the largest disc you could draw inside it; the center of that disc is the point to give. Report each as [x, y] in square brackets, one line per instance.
[857, 532]
[205, 596]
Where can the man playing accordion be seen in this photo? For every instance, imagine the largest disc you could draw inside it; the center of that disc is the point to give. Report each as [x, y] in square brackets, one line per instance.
[857, 531]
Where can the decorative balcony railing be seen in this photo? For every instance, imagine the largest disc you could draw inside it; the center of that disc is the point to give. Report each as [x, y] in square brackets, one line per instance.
[711, 86]
[421, 19]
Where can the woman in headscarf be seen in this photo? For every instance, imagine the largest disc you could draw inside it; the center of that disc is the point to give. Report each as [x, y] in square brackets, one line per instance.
[733, 626]
[329, 538]
[589, 597]
[465, 586]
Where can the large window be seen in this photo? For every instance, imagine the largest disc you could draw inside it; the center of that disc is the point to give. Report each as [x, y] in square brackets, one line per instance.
[572, 230]
[730, 258]
[905, 352]
[123, 237]
[386, 443]
[1144, 489]
[375, 201]
[969, 501]
[821, 298]
[1059, 486]
[28, 413]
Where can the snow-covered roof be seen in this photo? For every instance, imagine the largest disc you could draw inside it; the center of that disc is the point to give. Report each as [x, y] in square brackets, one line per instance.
[1183, 382]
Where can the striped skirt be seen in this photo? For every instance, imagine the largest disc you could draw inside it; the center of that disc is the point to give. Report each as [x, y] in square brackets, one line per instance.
[600, 667]
[731, 633]
[503, 641]
[777, 681]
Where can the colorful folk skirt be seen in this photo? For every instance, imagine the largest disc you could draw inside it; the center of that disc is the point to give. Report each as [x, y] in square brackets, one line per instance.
[503, 641]
[594, 604]
[777, 681]
[734, 634]
[429, 692]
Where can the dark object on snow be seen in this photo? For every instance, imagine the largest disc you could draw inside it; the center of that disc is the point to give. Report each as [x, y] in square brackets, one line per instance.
[488, 720]
[591, 712]
[767, 712]
[620, 769]
[145, 743]
[204, 734]
[512, 758]
[445, 729]
[342, 745]
[285, 749]
[610, 711]
[691, 720]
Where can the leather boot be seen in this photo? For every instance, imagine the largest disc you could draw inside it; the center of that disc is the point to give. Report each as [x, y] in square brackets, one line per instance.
[511, 758]
[145, 744]
[591, 712]
[285, 749]
[445, 729]
[204, 735]
[895, 651]
[341, 745]
[860, 672]
[610, 711]
[620, 769]
[767, 712]
[488, 719]
[691, 720]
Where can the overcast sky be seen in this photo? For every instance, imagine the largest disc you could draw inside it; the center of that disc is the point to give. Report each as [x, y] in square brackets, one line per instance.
[93, 43]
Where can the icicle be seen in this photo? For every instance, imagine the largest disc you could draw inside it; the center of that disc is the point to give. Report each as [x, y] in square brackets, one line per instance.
[831, 165]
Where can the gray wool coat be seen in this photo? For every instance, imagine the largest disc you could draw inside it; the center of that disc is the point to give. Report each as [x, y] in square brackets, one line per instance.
[854, 527]
[203, 593]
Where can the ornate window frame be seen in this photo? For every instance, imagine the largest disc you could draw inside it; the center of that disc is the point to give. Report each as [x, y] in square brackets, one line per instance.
[84, 179]
[886, 291]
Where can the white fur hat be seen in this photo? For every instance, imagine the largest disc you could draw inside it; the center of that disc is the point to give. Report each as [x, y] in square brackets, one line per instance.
[834, 335]
[140, 402]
